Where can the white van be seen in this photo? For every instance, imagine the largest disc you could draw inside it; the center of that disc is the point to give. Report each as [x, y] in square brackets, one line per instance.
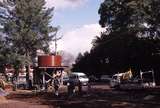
[78, 77]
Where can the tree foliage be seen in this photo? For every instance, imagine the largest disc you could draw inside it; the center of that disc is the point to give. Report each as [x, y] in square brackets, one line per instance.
[140, 16]
[28, 28]
[25, 25]
[131, 39]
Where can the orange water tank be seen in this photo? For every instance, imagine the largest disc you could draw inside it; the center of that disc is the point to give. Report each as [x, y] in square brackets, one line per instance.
[49, 60]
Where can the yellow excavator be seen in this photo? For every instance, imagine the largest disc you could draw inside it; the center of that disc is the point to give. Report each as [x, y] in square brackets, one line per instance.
[117, 79]
[127, 75]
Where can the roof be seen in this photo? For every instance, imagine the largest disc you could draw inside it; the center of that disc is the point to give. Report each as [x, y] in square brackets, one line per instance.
[119, 74]
[55, 67]
[78, 73]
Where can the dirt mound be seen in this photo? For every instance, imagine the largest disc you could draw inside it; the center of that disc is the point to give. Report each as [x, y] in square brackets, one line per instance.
[3, 93]
[2, 100]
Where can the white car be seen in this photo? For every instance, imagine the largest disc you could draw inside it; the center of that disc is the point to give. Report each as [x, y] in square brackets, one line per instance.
[78, 78]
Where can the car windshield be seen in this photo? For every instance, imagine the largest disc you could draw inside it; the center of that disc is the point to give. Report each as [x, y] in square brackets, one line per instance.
[72, 77]
[22, 77]
[65, 77]
[83, 76]
[114, 77]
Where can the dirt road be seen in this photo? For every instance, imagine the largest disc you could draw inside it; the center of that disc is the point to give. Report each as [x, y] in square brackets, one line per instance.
[100, 96]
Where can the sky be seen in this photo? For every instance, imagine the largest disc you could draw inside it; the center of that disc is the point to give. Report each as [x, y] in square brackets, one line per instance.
[78, 23]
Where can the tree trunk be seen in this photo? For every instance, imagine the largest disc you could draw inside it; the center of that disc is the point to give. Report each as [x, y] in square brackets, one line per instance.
[5, 74]
[27, 75]
[15, 80]
[27, 71]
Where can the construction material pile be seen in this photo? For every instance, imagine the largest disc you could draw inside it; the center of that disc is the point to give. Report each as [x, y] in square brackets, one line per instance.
[3, 93]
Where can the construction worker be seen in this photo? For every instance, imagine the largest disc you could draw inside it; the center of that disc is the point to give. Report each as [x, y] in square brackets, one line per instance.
[71, 88]
[56, 85]
[2, 84]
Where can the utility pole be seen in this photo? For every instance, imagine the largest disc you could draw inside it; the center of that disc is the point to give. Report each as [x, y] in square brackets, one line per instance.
[56, 39]
[56, 43]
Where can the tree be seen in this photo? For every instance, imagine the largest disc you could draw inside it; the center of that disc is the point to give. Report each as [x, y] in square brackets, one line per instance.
[138, 16]
[133, 32]
[27, 27]
[9, 56]
[131, 38]
[3, 51]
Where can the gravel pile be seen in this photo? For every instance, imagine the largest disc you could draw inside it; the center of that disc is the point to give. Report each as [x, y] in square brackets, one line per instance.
[3, 93]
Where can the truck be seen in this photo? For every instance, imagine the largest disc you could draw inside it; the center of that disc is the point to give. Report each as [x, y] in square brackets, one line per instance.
[127, 81]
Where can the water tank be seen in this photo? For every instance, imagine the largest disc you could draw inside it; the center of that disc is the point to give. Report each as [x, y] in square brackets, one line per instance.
[49, 60]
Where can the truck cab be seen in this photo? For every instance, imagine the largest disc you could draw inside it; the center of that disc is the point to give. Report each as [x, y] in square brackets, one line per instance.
[116, 80]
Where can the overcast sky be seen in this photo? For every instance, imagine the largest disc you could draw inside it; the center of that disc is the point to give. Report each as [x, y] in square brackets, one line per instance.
[78, 21]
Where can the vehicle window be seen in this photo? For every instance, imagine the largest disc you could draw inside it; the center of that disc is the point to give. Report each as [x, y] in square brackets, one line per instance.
[83, 76]
[114, 77]
[22, 77]
[73, 77]
[65, 77]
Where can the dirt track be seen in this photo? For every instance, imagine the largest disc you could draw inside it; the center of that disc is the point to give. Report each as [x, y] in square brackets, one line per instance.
[100, 96]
